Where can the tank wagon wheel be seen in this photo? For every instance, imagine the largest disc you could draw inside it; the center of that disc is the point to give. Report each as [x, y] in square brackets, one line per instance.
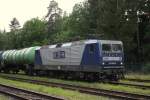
[29, 70]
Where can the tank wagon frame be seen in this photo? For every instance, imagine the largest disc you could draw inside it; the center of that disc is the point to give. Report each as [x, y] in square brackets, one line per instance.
[85, 59]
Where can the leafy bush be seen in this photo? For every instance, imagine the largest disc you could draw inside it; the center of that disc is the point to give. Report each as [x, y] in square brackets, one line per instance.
[146, 68]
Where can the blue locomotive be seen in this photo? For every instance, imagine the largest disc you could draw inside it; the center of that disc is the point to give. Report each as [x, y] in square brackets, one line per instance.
[86, 59]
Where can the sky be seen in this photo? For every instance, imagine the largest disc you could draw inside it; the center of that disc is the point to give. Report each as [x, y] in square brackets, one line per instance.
[24, 10]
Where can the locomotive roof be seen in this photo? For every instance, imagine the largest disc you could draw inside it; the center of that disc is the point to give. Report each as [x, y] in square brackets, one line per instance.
[111, 41]
[82, 42]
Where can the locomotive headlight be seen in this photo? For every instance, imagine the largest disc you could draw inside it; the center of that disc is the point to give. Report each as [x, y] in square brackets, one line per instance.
[103, 63]
[121, 63]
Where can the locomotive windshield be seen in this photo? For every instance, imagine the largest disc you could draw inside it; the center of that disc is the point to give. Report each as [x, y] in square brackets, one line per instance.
[106, 47]
[112, 47]
[116, 47]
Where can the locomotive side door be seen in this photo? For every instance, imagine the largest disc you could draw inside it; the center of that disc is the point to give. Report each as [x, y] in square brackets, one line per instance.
[91, 57]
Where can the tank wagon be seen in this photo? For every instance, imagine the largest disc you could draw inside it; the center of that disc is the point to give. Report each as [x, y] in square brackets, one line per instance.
[15, 60]
[87, 59]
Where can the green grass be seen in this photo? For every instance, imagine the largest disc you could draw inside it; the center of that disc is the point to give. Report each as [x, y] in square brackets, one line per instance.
[3, 97]
[138, 76]
[68, 94]
[93, 85]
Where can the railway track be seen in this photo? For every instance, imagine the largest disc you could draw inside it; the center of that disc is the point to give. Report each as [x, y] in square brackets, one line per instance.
[23, 94]
[87, 90]
[137, 80]
[129, 84]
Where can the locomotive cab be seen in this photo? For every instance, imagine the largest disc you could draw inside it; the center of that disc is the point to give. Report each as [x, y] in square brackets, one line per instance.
[112, 54]
[112, 57]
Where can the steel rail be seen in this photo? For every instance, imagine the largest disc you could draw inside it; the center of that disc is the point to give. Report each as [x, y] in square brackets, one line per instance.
[24, 94]
[137, 80]
[130, 84]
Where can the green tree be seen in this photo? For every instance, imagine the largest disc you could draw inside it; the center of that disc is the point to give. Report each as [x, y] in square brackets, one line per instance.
[54, 17]
[33, 33]
[2, 42]
[78, 21]
[14, 24]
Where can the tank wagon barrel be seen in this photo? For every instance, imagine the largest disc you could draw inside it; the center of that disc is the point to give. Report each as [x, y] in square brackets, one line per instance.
[10, 55]
[23, 56]
[29, 55]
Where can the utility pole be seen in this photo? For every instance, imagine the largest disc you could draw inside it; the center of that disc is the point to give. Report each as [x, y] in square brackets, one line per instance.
[143, 20]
